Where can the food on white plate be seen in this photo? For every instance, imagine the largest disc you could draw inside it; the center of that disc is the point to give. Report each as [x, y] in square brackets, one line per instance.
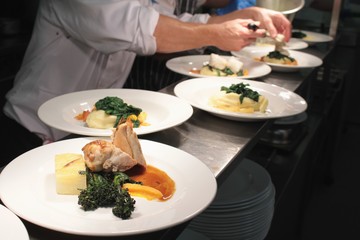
[224, 67]
[68, 179]
[279, 55]
[108, 112]
[123, 153]
[239, 98]
[112, 173]
[298, 34]
[154, 181]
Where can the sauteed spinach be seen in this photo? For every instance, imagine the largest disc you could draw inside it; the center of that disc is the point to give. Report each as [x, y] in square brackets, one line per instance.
[243, 90]
[278, 55]
[116, 106]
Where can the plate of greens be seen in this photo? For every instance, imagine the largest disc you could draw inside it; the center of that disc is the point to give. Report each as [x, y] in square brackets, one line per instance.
[311, 37]
[32, 193]
[159, 109]
[192, 64]
[281, 102]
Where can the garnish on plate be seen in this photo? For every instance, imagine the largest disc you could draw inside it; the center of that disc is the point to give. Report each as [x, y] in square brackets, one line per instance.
[110, 173]
[222, 67]
[110, 111]
[239, 98]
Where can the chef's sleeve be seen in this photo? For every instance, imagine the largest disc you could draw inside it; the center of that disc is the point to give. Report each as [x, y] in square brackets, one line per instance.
[109, 25]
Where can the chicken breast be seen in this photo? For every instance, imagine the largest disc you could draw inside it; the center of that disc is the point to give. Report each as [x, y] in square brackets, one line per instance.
[126, 139]
[102, 155]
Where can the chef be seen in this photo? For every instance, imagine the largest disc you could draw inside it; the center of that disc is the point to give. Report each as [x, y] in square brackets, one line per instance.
[89, 44]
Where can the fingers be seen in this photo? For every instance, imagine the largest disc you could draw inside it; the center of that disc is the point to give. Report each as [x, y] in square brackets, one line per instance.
[274, 22]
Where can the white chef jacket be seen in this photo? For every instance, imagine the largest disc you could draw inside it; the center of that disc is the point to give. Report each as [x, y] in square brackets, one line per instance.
[79, 45]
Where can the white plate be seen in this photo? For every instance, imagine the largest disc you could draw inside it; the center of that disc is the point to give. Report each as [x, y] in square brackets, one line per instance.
[31, 176]
[163, 110]
[282, 102]
[304, 60]
[293, 44]
[184, 65]
[11, 227]
[314, 37]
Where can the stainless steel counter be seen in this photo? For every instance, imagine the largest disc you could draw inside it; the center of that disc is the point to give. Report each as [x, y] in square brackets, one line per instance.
[219, 143]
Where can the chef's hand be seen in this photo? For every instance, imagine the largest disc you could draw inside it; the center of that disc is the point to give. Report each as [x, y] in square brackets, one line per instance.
[235, 34]
[272, 21]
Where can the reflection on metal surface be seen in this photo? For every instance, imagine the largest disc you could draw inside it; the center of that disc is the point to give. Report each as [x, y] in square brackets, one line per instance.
[335, 18]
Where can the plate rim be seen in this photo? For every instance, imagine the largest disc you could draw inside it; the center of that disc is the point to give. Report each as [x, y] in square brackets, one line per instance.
[13, 218]
[42, 113]
[267, 69]
[275, 66]
[326, 37]
[46, 223]
[239, 116]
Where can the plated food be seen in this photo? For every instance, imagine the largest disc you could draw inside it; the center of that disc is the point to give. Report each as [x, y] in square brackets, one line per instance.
[198, 66]
[292, 44]
[60, 112]
[311, 37]
[36, 183]
[109, 173]
[110, 111]
[303, 60]
[281, 102]
[279, 55]
[239, 98]
[222, 67]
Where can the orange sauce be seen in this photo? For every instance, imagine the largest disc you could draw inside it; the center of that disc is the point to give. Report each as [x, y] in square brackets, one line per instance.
[82, 116]
[154, 177]
[195, 71]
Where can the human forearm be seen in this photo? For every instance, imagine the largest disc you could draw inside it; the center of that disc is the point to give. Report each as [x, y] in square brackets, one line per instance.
[273, 21]
[173, 36]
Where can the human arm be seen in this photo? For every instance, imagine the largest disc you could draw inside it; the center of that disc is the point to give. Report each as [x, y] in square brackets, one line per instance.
[273, 21]
[105, 25]
[173, 35]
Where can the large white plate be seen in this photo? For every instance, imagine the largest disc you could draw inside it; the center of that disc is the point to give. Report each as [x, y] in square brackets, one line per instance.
[27, 187]
[11, 227]
[293, 44]
[163, 110]
[282, 102]
[185, 64]
[304, 60]
[314, 37]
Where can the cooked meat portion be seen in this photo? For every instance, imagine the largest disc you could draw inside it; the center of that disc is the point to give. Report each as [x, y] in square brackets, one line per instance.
[102, 155]
[126, 139]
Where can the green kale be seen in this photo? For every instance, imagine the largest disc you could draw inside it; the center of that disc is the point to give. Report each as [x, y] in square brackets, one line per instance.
[124, 206]
[298, 34]
[243, 90]
[278, 55]
[116, 106]
[104, 190]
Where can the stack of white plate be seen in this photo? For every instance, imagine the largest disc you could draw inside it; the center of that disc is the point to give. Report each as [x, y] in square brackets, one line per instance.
[243, 207]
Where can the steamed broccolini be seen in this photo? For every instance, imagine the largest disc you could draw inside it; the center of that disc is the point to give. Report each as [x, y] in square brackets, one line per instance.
[104, 190]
